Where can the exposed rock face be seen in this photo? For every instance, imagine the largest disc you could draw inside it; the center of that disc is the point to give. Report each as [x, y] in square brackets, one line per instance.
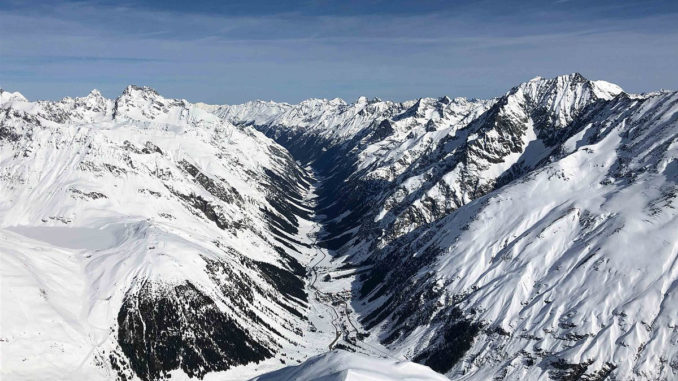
[170, 228]
[160, 330]
[487, 225]
[522, 237]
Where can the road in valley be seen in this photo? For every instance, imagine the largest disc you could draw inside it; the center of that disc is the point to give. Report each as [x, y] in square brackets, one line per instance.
[336, 299]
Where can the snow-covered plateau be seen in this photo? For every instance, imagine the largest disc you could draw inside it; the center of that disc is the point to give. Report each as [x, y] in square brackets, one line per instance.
[530, 236]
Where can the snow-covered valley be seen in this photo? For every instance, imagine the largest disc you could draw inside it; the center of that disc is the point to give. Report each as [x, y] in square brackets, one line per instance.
[530, 236]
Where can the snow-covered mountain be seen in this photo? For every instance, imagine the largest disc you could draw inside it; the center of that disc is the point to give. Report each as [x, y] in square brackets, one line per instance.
[143, 236]
[530, 236]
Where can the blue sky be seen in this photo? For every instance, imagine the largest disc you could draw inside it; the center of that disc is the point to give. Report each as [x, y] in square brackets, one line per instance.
[231, 52]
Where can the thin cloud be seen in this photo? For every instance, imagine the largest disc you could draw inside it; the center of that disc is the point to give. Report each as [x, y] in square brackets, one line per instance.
[41, 60]
[291, 56]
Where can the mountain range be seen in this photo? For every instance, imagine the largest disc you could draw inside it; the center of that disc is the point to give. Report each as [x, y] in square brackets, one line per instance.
[529, 236]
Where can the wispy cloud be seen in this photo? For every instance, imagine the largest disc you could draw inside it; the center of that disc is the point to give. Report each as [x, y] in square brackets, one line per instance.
[476, 49]
[42, 60]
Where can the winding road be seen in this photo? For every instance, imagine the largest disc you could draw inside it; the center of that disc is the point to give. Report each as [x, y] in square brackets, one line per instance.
[324, 297]
[339, 305]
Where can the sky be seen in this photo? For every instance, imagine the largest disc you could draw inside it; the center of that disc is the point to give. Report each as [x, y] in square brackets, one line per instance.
[228, 52]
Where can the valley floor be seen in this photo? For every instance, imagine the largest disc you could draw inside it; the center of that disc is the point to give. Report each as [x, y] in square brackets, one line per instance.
[330, 290]
[332, 321]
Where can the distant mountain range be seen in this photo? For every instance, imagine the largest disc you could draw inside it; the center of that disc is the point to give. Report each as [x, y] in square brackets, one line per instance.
[530, 236]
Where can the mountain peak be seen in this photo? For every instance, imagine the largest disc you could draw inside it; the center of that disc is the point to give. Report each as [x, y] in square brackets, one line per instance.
[540, 86]
[575, 77]
[95, 93]
[7, 96]
[144, 103]
[134, 89]
[606, 90]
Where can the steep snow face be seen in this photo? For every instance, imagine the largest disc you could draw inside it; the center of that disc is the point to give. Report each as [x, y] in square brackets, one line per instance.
[509, 139]
[424, 159]
[528, 236]
[345, 366]
[568, 271]
[144, 236]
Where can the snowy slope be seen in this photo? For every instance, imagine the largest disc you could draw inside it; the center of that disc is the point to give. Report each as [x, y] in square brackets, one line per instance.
[529, 236]
[143, 236]
[345, 366]
[570, 270]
